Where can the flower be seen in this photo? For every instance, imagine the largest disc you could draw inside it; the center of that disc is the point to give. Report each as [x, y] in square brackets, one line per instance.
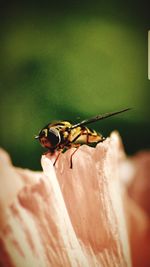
[69, 217]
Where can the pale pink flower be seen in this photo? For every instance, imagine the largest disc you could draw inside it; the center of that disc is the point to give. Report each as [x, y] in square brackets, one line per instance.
[82, 216]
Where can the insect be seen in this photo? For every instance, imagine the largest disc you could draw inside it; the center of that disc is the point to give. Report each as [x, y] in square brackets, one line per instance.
[62, 135]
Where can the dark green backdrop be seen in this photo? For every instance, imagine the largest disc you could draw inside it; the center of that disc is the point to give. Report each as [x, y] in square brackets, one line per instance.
[72, 59]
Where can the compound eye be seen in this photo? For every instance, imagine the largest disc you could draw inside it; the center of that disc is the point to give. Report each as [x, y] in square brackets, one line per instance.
[44, 132]
[54, 137]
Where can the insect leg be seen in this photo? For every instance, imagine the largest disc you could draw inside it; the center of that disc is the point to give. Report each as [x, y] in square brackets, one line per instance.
[71, 164]
[87, 136]
[77, 146]
[57, 157]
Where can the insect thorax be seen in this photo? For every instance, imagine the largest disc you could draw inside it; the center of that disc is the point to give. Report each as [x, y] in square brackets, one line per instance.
[63, 127]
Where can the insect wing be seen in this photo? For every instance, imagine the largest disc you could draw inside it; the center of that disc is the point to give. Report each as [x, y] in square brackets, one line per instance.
[98, 117]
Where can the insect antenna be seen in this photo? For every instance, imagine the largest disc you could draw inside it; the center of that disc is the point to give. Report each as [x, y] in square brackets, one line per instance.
[98, 117]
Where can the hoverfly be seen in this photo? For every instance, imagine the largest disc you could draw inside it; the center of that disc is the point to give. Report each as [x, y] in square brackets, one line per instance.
[62, 135]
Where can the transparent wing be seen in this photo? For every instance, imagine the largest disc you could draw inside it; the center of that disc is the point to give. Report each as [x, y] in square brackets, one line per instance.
[98, 117]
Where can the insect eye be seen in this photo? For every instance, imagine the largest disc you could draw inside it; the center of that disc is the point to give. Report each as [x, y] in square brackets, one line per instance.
[42, 133]
[54, 137]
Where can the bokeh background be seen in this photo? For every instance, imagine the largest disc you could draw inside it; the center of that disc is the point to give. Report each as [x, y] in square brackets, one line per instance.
[72, 60]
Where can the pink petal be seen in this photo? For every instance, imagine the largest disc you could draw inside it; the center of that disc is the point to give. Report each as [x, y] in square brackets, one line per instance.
[62, 216]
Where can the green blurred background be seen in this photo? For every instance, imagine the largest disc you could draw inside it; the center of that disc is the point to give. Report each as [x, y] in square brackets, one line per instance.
[72, 60]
